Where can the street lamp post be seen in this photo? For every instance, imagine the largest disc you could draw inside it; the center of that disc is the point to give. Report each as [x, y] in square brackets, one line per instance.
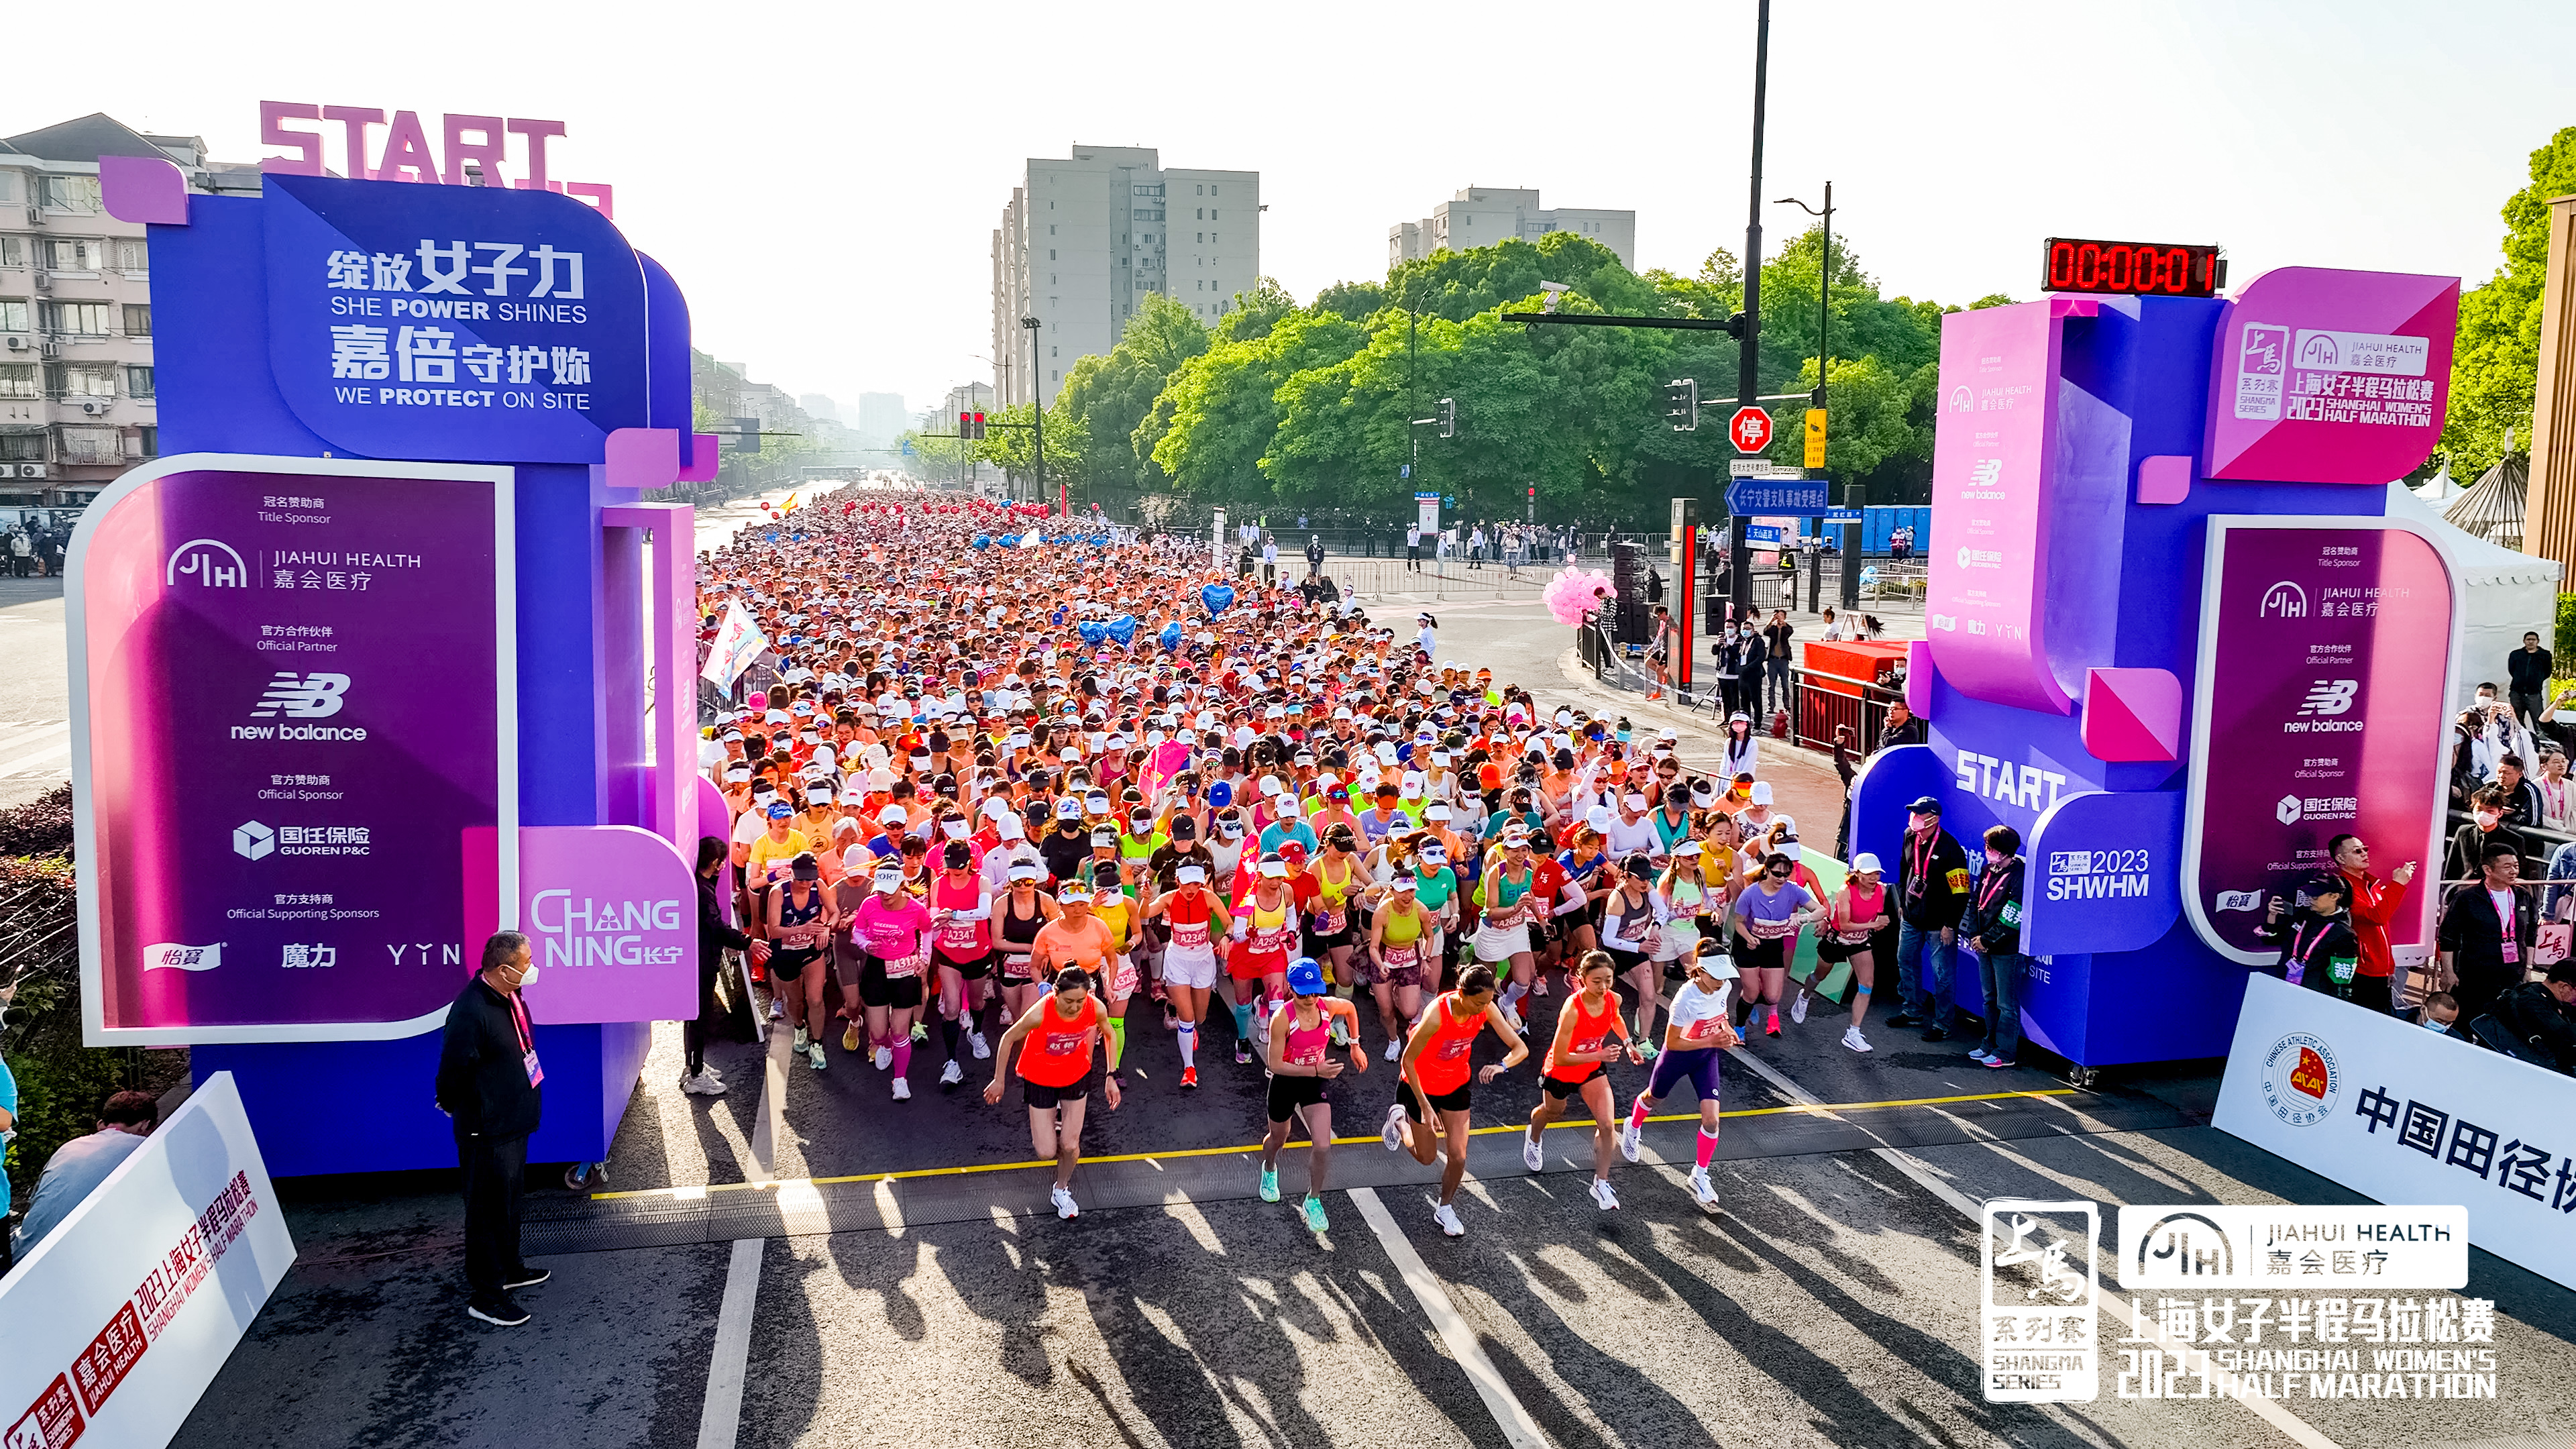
[1749, 358]
[1824, 321]
[1037, 400]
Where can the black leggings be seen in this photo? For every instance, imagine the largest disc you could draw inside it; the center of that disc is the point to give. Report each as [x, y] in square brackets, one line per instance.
[693, 1032]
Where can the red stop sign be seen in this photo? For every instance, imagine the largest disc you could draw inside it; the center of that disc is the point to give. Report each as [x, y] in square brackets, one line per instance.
[1750, 428]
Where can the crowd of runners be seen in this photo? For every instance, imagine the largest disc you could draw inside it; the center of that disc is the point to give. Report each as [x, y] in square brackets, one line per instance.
[1068, 812]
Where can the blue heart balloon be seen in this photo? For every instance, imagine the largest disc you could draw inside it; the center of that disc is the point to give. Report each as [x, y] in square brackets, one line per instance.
[983, 540]
[1217, 597]
[1092, 632]
[1123, 629]
[1100, 540]
[1171, 635]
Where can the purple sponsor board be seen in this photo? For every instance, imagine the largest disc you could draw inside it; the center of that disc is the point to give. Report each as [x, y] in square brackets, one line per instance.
[2326, 376]
[289, 702]
[1990, 464]
[2316, 717]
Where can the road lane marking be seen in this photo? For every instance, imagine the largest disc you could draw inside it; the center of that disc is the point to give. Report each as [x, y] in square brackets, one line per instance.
[720, 1417]
[1519, 1429]
[2298, 1429]
[1809, 1108]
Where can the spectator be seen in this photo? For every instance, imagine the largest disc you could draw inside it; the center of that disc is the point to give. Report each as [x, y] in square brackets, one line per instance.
[1775, 652]
[2373, 904]
[2486, 827]
[1314, 555]
[1833, 626]
[1902, 727]
[2318, 950]
[1931, 895]
[2526, 672]
[2540, 1017]
[1993, 923]
[490, 1086]
[80, 1165]
[1413, 546]
[2441, 1012]
[2521, 800]
[2556, 792]
[2486, 932]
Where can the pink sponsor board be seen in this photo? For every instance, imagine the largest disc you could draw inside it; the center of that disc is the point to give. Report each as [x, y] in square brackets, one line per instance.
[2326, 376]
[2315, 717]
[611, 918]
[1990, 466]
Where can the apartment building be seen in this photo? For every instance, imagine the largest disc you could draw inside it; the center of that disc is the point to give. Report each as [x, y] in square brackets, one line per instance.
[1086, 239]
[1480, 216]
[77, 397]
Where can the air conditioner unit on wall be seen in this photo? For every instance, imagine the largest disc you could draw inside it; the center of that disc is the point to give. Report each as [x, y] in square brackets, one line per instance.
[31, 470]
[94, 408]
[17, 343]
[8, 470]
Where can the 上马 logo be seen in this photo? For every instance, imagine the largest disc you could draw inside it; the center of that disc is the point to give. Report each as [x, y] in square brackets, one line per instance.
[306, 696]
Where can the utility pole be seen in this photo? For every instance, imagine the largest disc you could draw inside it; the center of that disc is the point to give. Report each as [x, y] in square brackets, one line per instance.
[1037, 398]
[1739, 554]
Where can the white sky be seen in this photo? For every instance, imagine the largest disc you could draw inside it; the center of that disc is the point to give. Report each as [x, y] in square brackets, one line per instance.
[824, 179]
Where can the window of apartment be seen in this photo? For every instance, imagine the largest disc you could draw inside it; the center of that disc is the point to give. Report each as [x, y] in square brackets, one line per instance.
[13, 314]
[1211, 188]
[73, 253]
[1211, 213]
[68, 193]
[8, 186]
[17, 380]
[1201, 191]
[89, 318]
[22, 447]
[138, 382]
[1050, 254]
[128, 254]
[80, 379]
[138, 319]
[149, 440]
[13, 249]
[90, 445]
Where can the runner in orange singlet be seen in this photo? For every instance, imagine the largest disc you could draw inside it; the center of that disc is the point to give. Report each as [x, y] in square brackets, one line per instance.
[1435, 1089]
[1055, 1074]
[1578, 1062]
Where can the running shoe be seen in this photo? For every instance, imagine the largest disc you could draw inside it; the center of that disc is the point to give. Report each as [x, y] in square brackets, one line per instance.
[1853, 1039]
[1447, 1217]
[699, 1086]
[1539, 987]
[1771, 1025]
[814, 1057]
[920, 1033]
[1393, 1132]
[884, 1058]
[850, 1039]
[1395, 1051]
[952, 1075]
[1270, 1184]
[976, 1040]
[1648, 1050]
[500, 1312]
[1602, 1197]
[1189, 1079]
[777, 1009]
[1533, 1151]
[1980, 1056]
[1631, 1137]
[800, 1042]
[902, 1090]
[1065, 1206]
[1242, 1054]
[1998, 1059]
[1798, 1008]
[1512, 1018]
[1315, 1219]
[1703, 1191]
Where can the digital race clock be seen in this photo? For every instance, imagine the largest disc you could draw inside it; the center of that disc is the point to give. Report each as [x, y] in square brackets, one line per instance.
[2137, 269]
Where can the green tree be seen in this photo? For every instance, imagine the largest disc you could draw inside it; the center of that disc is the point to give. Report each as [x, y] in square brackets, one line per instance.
[1010, 443]
[1109, 396]
[2495, 367]
[1252, 314]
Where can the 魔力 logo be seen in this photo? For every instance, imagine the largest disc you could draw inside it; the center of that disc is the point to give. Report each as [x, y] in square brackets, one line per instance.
[2301, 1078]
[307, 696]
[210, 561]
[2285, 600]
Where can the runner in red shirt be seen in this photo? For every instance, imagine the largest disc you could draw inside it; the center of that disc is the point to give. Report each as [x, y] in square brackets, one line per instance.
[1435, 1089]
[1060, 1033]
[1578, 1063]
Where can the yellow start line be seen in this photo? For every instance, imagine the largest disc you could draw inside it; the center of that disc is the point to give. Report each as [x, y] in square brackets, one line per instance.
[1821, 1109]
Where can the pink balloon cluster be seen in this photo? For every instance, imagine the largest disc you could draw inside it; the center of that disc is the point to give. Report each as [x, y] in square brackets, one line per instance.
[1574, 593]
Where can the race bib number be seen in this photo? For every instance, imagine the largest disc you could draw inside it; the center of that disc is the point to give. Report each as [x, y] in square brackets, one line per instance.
[1766, 930]
[1452, 1048]
[899, 967]
[1066, 1043]
[1189, 935]
[958, 934]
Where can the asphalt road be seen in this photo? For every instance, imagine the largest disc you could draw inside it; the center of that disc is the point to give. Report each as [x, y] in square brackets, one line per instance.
[35, 690]
[806, 1262]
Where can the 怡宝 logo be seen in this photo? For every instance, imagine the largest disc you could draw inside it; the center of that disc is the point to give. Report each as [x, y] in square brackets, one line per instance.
[2300, 1079]
[252, 840]
[2330, 696]
[2285, 600]
[168, 955]
[210, 561]
[307, 696]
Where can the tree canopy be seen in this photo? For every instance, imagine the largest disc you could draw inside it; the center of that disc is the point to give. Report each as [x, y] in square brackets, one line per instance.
[2495, 367]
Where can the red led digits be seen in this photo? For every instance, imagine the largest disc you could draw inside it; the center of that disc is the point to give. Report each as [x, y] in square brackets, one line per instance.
[2136, 269]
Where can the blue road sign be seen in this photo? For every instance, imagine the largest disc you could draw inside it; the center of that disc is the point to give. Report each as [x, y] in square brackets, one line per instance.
[1404, 470]
[1762, 533]
[1746, 496]
[1842, 515]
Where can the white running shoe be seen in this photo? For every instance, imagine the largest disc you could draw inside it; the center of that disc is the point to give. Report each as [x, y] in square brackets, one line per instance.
[1631, 1137]
[1702, 1190]
[1394, 1131]
[902, 1090]
[800, 1042]
[777, 1009]
[1602, 1196]
[1853, 1039]
[814, 1057]
[1533, 1152]
[1065, 1206]
[952, 1075]
[885, 1057]
[1513, 1019]
[976, 1040]
[1447, 1217]
[1798, 1008]
[1395, 1051]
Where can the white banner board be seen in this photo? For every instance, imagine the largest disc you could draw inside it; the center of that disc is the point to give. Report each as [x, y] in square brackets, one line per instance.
[121, 1317]
[2405, 1115]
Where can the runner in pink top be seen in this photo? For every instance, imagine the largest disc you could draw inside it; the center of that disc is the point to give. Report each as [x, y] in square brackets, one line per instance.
[892, 930]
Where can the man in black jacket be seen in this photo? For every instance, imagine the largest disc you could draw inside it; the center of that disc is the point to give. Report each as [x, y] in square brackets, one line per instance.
[489, 1083]
[2526, 672]
[1992, 924]
[2541, 1015]
[1931, 894]
[2486, 932]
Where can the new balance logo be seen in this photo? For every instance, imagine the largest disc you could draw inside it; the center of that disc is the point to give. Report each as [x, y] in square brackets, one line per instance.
[2330, 696]
[305, 696]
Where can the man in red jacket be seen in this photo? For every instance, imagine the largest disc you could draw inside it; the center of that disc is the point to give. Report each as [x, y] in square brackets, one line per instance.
[2374, 905]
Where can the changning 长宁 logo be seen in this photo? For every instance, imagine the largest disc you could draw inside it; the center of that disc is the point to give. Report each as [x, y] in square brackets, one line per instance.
[308, 696]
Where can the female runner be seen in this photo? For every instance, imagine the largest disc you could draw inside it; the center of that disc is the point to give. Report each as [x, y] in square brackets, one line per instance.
[1435, 1088]
[1767, 916]
[1017, 918]
[1692, 1040]
[1301, 1068]
[961, 909]
[1055, 1074]
[1198, 920]
[1860, 912]
[1393, 963]
[888, 927]
[801, 919]
[1578, 1060]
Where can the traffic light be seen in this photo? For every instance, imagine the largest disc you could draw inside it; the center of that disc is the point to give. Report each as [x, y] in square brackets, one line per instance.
[1448, 417]
[965, 425]
[1681, 404]
[979, 427]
